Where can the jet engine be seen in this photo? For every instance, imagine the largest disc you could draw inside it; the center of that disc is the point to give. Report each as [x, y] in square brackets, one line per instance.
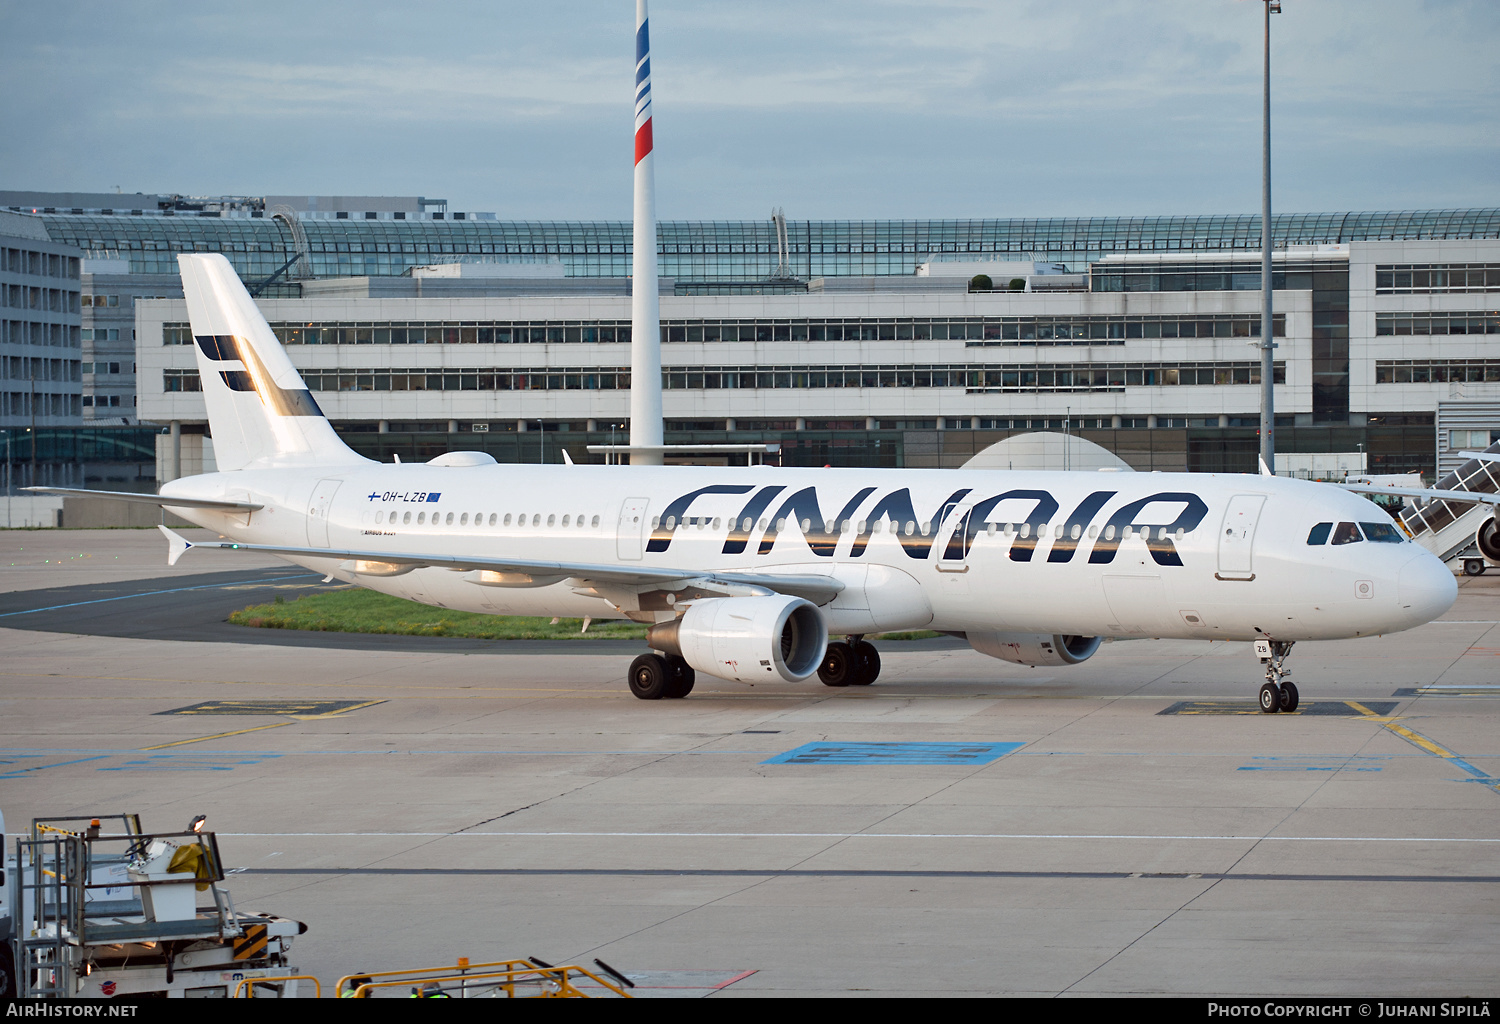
[747, 639]
[1034, 648]
[1488, 539]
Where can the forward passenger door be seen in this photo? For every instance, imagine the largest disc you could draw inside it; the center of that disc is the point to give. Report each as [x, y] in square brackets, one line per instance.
[630, 531]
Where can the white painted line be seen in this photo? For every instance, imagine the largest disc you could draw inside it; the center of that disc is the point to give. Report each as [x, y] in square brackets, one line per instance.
[838, 835]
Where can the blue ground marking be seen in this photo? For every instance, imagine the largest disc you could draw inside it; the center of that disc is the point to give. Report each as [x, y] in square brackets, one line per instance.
[150, 593]
[1479, 774]
[189, 763]
[19, 773]
[895, 753]
[1309, 764]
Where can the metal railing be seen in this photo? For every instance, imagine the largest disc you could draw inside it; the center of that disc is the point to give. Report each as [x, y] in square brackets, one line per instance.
[475, 981]
[247, 985]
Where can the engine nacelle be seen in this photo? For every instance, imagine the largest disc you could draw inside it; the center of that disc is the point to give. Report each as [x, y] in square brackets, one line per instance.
[1488, 540]
[747, 639]
[1034, 648]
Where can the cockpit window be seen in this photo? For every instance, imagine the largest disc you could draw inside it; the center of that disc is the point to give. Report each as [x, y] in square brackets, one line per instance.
[1346, 533]
[1319, 535]
[1382, 533]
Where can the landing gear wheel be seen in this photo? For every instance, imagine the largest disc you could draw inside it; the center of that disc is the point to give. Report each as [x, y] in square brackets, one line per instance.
[682, 677]
[650, 677]
[840, 666]
[1270, 698]
[1474, 567]
[1289, 697]
[869, 663]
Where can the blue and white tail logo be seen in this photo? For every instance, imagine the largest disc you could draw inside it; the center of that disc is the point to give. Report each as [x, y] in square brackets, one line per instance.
[259, 410]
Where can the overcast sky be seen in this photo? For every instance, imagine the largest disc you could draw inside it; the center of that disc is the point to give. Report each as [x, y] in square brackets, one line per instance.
[857, 109]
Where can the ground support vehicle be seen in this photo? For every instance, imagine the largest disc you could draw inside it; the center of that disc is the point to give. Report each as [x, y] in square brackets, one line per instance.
[124, 912]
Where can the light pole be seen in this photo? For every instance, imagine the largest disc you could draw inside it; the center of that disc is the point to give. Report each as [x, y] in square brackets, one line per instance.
[542, 433]
[1267, 340]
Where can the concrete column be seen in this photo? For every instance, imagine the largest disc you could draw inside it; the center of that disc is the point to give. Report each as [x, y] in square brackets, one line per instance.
[941, 424]
[1114, 422]
[728, 425]
[384, 427]
[174, 468]
[1223, 420]
[520, 426]
[453, 426]
[869, 422]
[801, 423]
[591, 426]
[1151, 422]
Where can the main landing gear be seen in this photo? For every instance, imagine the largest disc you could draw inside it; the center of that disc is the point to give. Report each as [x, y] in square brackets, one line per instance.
[1278, 693]
[855, 663]
[656, 676]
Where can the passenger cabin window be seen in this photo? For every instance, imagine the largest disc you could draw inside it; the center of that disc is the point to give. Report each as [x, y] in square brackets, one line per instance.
[1381, 533]
[1319, 535]
[1346, 533]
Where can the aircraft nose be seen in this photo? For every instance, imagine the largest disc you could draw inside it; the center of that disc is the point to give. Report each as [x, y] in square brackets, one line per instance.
[1427, 589]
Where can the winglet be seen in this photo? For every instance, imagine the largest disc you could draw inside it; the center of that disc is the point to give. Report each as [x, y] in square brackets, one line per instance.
[567, 458]
[1264, 469]
[177, 544]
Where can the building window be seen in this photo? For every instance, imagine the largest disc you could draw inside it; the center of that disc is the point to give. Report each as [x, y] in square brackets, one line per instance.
[1436, 278]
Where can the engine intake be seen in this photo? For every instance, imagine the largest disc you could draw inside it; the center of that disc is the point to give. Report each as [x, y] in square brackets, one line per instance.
[1034, 648]
[747, 639]
[1488, 540]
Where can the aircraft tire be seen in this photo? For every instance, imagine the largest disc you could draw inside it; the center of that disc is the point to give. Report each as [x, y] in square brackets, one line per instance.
[839, 667]
[869, 664]
[682, 680]
[1474, 567]
[650, 677]
[1270, 698]
[1289, 697]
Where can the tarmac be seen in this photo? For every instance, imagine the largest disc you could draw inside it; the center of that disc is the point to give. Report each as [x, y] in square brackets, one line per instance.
[963, 827]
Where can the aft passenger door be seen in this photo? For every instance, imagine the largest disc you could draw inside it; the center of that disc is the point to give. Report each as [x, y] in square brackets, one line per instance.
[1237, 537]
[631, 529]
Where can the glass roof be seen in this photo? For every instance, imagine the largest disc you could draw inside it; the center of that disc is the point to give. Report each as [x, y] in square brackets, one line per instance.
[722, 250]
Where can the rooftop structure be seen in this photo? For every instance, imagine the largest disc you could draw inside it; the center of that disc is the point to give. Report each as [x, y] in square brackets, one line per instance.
[375, 242]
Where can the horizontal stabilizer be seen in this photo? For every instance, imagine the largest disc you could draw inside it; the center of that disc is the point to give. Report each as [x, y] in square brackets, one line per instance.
[148, 499]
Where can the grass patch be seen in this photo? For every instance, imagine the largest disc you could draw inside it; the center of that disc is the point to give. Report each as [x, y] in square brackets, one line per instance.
[357, 610]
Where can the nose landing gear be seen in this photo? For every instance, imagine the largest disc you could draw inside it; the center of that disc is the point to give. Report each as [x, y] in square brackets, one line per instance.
[1278, 693]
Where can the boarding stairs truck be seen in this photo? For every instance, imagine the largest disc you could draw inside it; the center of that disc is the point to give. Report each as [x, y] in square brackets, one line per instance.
[97, 907]
[1462, 531]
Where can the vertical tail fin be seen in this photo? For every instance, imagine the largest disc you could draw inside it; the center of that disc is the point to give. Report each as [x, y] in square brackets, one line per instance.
[259, 410]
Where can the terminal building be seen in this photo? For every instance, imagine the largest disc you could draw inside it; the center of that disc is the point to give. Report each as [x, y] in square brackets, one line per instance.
[901, 343]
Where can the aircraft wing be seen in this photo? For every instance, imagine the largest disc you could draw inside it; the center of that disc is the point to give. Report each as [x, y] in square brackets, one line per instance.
[1472, 497]
[817, 589]
[149, 499]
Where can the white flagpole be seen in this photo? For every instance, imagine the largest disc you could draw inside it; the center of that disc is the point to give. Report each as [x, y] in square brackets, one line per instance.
[645, 306]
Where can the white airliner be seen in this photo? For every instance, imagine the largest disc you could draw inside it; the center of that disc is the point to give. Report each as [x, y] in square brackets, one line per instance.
[744, 573]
